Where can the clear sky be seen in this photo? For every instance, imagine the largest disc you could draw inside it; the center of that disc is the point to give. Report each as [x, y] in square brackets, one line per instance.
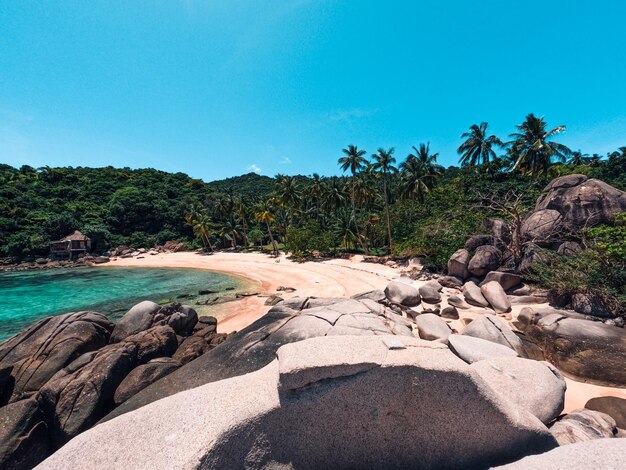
[216, 88]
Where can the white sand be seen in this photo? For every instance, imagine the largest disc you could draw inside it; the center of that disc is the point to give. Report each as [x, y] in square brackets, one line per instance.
[333, 278]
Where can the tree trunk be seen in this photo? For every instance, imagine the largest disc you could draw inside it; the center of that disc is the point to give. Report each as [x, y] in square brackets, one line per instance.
[356, 225]
[206, 237]
[269, 230]
[245, 232]
[387, 213]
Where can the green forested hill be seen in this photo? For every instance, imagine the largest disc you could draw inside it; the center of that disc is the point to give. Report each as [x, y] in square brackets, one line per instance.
[112, 206]
[147, 207]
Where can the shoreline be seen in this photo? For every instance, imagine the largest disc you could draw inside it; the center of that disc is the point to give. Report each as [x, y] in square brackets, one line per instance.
[263, 275]
[328, 278]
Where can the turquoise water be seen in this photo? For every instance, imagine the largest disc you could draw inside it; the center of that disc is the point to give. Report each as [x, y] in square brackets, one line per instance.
[26, 297]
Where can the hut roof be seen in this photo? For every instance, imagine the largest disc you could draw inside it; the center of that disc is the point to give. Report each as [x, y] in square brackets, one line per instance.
[77, 235]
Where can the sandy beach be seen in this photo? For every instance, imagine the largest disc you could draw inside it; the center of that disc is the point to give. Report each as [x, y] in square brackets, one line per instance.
[332, 278]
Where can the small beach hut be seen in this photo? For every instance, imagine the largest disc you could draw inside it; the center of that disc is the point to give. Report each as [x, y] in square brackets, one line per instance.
[71, 246]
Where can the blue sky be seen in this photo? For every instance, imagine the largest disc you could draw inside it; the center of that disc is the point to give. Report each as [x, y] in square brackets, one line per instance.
[217, 88]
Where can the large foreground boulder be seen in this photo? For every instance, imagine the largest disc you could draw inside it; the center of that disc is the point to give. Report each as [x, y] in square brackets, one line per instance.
[255, 346]
[82, 393]
[32, 357]
[23, 435]
[586, 350]
[602, 454]
[332, 402]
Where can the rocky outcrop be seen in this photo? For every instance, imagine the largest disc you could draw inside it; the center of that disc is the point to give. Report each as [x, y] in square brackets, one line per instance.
[542, 226]
[31, 358]
[583, 425]
[430, 293]
[82, 393]
[583, 349]
[329, 402]
[23, 435]
[255, 346]
[201, 342]
[582, 202]
[506, 280]
[181, 318]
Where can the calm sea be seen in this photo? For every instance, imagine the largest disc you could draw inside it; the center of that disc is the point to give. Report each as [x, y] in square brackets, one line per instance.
[26, 297]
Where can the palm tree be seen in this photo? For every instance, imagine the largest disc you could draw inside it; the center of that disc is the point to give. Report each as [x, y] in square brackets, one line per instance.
[264, 215]
[241, 209]
[354, 162]
[230, 230]
[419, 171]
[334, 195]
[200, 223]
[383, 165]
[314, 192]
[532, 148]
[288, 190]
[578, 158]
[478, 147]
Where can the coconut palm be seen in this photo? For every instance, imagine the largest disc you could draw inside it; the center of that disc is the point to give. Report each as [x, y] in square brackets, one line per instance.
[263, 215]
[334, 194]
[314, 192]
[419, 171]
[383, 165]
[231, 231]
[200, 223]
[478, 147]
[288, 191]
[241, 209]
[532, 148]
[578, 158]
[355, 162]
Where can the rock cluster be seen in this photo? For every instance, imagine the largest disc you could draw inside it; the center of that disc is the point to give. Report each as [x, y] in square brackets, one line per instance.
[569, 204]
[373, 401]
[381, 379]
[64, 373]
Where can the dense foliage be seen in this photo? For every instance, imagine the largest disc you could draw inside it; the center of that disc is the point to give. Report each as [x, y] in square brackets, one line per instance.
[600, 270]
[385, 203]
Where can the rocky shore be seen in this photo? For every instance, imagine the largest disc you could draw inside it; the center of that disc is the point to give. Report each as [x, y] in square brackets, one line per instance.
[357, 365]
[337, 382]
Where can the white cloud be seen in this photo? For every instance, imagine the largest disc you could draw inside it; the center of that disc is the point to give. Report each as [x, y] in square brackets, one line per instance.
[284, 161]
[351, 114]
[254, 168]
